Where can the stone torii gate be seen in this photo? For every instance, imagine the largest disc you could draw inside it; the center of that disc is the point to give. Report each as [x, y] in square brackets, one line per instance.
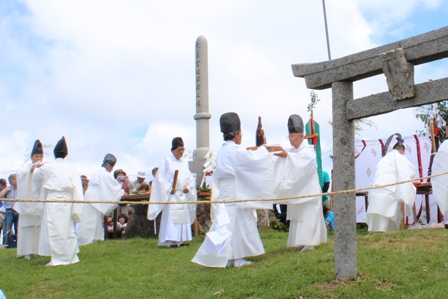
[396, 61]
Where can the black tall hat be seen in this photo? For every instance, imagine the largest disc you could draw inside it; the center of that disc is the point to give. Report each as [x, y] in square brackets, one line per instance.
[37, 148]
[388, 141]
[230, 122]
[295, 124]
[177, 142]
[110, 159]
[61, 150]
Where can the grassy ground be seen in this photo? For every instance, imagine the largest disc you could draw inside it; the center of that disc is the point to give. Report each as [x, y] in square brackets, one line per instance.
[407, 264]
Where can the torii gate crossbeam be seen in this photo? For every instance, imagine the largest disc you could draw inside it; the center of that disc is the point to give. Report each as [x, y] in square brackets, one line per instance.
[396, 61]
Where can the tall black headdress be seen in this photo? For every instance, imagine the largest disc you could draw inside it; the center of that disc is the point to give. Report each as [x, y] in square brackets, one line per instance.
[110, 160]
[37, 148]
[61, 150]
[386, 145]
[295, 124]
[230, 122]
[177, 142]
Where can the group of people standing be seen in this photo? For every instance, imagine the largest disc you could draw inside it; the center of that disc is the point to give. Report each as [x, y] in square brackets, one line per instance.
[244, 174]
[241, 174]
[48, 228]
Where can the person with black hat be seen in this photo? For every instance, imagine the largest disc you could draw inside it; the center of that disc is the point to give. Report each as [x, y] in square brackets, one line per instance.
[239, 174]
[102, 186]
[30, 212]
[175, 225]
[384, 211]
[297, 173]
[60, 182]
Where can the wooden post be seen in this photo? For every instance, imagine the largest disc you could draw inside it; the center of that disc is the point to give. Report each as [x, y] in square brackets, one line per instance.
[402, 224]
[195, 227]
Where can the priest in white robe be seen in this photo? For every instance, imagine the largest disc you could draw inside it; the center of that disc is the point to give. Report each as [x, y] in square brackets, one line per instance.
[384, 211]
[30, 213]
[239, 174]
[103, 186]
[57, 236]
[175, 226]
[296, 175]
[440, 183]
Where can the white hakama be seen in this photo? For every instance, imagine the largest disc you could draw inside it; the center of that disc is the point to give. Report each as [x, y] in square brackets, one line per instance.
[30, 213]
[175, 226]
[102, 186]
[239, 174]
[384, 212]
[57, 237]
[440, 183]
[296, 175]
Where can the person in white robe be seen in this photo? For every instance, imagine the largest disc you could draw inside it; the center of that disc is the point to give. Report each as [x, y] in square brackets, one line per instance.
[103, 186]
[296, 175]
[30, 213]
[239, 174]
[57, 236]
[175, 226]
[384, 211]
[440, 183]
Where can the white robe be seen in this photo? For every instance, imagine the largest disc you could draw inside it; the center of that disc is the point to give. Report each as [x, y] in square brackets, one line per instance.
[384, 211]
[440, 183]
[30, 213]
[176, 219]
[102, 186]
[57, 237]
[239, 174]
[296, 175]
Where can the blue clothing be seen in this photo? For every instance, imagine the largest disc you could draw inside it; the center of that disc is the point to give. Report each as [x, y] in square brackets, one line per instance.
[11, 219]
[11, 216]
[330, 218]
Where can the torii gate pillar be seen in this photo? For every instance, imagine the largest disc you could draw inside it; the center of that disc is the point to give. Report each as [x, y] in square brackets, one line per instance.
[344, 177]
[396, 61]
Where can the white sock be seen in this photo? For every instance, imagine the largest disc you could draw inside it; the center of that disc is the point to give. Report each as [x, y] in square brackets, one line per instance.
[241, 262]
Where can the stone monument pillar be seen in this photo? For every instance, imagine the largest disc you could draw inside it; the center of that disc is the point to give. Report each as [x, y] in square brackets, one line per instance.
[202, 115]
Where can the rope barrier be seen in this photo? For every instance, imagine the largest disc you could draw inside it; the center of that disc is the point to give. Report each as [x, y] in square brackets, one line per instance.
[221, 201]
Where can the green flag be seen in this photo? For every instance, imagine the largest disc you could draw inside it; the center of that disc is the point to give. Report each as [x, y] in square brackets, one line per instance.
[312, 127]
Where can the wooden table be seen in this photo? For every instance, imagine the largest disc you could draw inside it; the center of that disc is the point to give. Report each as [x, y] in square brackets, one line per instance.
[366, 197]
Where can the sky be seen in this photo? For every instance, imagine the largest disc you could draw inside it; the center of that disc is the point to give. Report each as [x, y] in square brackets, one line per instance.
[119, 76]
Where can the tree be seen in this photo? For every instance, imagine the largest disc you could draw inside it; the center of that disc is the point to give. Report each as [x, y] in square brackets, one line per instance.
[357, 123]
[431, 113]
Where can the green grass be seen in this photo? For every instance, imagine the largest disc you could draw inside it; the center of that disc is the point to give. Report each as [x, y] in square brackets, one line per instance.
[407, 264]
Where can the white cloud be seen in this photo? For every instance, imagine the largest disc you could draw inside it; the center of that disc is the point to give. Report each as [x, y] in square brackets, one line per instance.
[118, 76]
